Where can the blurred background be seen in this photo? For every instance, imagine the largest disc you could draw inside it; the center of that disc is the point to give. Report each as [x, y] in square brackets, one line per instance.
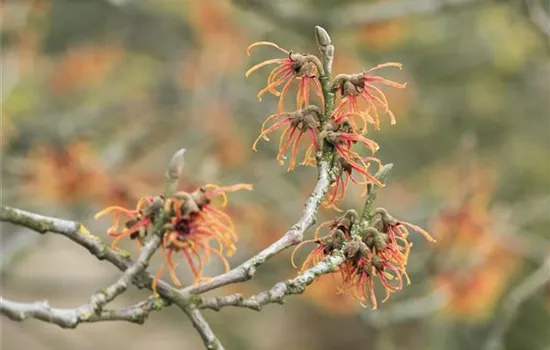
[98, 94]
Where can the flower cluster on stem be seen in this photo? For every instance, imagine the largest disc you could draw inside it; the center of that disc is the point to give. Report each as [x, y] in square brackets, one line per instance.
[376, 245]
[190, 226]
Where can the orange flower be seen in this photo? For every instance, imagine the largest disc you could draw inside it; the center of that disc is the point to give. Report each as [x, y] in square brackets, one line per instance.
[297, 124]
[325, 247]
[192, 223]
[379, 251]
[137, 225]
[295, 66]
[359, 87]
[373, 257]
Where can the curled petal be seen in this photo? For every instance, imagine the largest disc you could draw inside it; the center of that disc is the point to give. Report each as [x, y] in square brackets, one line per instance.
[265, 43]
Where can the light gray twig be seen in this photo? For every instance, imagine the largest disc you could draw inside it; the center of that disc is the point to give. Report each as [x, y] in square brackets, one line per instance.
[276, 294]
[203, 328]
[293, 236]
[70, 318]
[102, 298]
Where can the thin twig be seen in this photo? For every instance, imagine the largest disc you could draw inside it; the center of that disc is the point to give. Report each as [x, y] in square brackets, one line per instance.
[293, 236]
[276, 294]
[70, 318]
[102, 298]
[78, 234]
[75, 231]
[372, 191]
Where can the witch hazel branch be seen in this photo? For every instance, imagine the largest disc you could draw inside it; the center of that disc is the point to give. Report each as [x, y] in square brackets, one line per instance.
[190, 228]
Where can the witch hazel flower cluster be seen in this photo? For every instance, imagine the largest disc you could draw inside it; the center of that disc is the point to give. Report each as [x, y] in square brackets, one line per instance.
[375, 245]
[192, 227]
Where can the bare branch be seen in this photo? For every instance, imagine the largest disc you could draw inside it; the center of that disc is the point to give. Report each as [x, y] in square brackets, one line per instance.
[276, 294]
[70, 318]
[365, 13]
[300, 19]
[293, 236]
[78, 234]
[408, 309]
[538, 16]
[70, 229]
[102, 298]
[203, 328]
[134, 272]
[513, 301]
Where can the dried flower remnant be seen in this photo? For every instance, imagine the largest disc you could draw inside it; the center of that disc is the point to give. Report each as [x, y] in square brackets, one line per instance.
[191, 225]
[304, 67]
[296, 125]
[359, 87]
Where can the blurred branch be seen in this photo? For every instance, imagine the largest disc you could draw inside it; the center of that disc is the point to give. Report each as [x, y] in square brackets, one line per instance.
[297, 19]
[362, 13]
[513, 301]
[276, 294]
[538, 16]
[292, 237]
[300, 19]
[407, 310]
